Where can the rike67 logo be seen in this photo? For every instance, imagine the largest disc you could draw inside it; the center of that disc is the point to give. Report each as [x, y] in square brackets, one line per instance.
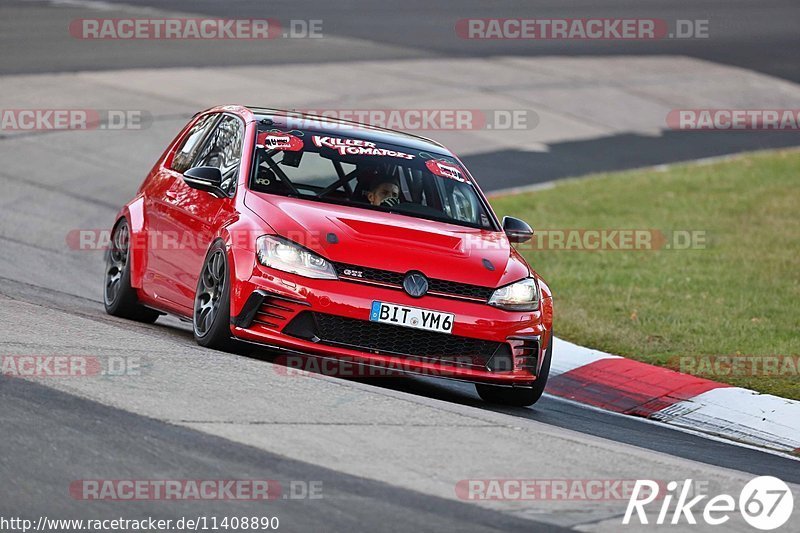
[766, 503]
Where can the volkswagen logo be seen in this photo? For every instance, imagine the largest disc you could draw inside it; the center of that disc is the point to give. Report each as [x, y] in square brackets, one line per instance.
[415, 284]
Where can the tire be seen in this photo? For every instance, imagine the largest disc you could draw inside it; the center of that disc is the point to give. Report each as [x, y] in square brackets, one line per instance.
[119, 298]
[515, 396]
[211, 317]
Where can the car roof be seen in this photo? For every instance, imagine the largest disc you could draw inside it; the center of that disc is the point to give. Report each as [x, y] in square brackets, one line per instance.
[279, 118]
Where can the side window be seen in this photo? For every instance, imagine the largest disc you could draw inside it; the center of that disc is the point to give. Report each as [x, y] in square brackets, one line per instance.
[185, 154]
[223, 150]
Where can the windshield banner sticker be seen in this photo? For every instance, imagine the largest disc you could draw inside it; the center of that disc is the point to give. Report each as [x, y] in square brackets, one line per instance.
[279, 141]
[356, 147]
[445, 169]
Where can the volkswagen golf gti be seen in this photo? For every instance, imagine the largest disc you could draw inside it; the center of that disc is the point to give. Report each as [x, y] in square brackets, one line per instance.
[329, 239]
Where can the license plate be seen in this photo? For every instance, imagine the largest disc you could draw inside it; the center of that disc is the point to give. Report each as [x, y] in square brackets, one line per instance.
[411, 317]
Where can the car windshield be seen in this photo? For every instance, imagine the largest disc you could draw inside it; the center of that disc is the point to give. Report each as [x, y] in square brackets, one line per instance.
[356, 172]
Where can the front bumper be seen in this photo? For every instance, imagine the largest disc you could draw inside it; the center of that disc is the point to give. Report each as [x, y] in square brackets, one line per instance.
[330, 319]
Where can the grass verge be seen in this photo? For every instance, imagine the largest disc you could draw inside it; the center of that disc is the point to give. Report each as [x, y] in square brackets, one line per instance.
[734, 292]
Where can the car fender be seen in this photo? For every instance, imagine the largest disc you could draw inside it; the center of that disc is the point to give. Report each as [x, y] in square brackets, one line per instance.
[134, 213]
[239, 236]
[547, 303]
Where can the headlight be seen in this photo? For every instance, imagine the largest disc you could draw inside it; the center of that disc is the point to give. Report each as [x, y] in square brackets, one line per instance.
[278, 253]
[520, 296]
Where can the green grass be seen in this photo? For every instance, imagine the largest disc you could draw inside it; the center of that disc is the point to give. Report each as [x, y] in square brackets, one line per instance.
[738, 295]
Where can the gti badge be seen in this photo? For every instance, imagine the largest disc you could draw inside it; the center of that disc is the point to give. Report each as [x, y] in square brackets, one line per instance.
[415, 284]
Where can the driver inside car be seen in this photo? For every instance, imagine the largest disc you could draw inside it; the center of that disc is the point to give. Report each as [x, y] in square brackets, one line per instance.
[384, 191]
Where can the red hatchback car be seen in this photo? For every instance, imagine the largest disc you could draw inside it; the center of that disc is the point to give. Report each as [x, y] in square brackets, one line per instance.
[332, 239]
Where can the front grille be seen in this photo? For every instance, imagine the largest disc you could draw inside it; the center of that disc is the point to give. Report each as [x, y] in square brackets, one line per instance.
[387, 339]
[350, 272]
[439, 287]
[460, 289]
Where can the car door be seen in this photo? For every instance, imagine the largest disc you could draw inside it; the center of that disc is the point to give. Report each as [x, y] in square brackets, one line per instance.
[158, 207]
[190, 217]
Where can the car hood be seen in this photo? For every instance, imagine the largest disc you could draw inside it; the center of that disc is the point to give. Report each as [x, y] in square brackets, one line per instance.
[392, 242]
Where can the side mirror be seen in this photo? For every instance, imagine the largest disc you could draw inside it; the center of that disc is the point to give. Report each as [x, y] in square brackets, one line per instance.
[517, 230]
[207, 179]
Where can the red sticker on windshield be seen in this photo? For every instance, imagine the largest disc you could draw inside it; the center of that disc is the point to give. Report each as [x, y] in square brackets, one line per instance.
[279, 141]
[445, 169]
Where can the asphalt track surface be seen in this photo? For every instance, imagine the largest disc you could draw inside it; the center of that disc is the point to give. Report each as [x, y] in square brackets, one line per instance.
[387, 452]
[68, 426]
[760, 36]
